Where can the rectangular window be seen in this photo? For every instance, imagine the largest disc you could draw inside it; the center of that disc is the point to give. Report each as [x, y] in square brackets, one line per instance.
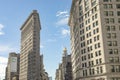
[112, 20]
[109, 43]
[114, 43]
[113, 28]
[100, 60]
[116, 59]
[113, 35]
[107, 0]
[108, 6]
[97, 61]
[108, 35]
[118, 13]
[117, 0]
[111, 59]
[118, 6]
[108, 28]
[106, 13]
[99, 52]
[118, 20]
[115, 51]
[110, 51]
[111, 13]
[112, 68]
[106, 20]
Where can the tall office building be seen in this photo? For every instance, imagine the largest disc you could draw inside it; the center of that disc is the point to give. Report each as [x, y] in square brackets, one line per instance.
[64, 71]
[12, 69]
[95, 39]
[30, 48]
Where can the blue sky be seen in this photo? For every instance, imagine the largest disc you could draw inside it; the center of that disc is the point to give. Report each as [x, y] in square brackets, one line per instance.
[54, 34]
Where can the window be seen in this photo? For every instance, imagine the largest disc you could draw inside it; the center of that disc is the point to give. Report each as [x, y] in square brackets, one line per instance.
[94, 9]
[108, 6]
[111, 13]
[116, 59]
[110, 51]
[90, 72]
[111, 59]
[93, 2]
[108, 28]
[95, 16]
[97, 45]
[97, 70]
[115, 51]
[106, 20]
[115, 68]
[88, 28]
[118, 6]
[108, 13]
[117, 0]
[109, 43]
[114, 43]
[113, 35]
[118, 13]
[101, 69]
[97, 61]
[100, 60]
[99, 52]
[96, 53]
[107, 0]
[112, 68]
[112, 20]
[113, 28]
[93, 71]
[118, 20]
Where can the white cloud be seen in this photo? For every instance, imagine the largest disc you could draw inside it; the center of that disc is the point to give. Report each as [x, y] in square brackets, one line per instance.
[62, 21]
[65, 32]
[3, 64]
[62, 13]
[41, 46]
[51, 40]
[1, 27]
[62, 17]
[3, 60]
[6, 48]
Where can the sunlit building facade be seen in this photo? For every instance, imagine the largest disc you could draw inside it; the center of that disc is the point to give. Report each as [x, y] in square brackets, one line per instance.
[95, 39]
[30, 48]
[12, 69]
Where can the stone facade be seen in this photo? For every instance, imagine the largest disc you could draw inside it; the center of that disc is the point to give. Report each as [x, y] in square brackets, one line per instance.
[30, 48]
[12, 69]
[95, 28]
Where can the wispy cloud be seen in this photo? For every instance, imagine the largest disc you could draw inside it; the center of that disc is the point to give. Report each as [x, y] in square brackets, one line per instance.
[51, 40]
[41, 46]
[1, 31]
[62, 14]
[62, 17]
[3, 60]
[3, 64]
[62, 21]
[65, 32]
[6, 49]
